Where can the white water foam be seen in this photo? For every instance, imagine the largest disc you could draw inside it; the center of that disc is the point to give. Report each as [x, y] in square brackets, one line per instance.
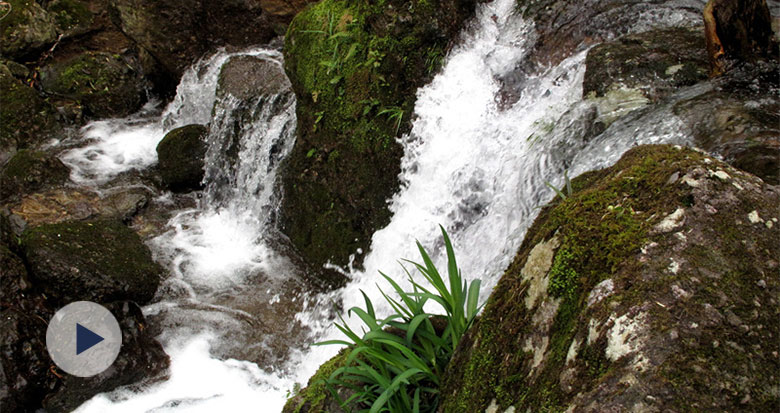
[115, 146]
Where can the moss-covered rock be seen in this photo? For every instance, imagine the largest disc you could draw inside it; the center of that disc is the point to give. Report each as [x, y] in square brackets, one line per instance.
[100, 260]
[354, 67]
[72, 17]
[26, 29]
[178, 32]
[316, 397]
[655, 62]
[180, 155]
[651, 288]
[105, 84]
[29, 171]
[26, 119]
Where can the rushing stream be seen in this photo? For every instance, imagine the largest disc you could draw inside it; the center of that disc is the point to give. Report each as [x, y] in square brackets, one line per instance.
[472, 164]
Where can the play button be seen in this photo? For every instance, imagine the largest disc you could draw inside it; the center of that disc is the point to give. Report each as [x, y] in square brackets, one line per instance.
[83, 338]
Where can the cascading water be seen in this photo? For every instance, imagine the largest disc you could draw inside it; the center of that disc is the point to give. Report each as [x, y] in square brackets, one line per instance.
[471, 164]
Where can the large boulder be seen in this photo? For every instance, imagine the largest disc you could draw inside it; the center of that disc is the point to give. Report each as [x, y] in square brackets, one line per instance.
[738, 119]
[655, 62]
[177, 32]
[26, 29]
[652, 287]
[105, 84]
[26, 119]
[180, 157]
[355, 67]
[100, 260]
[247, 77]
[29, 171]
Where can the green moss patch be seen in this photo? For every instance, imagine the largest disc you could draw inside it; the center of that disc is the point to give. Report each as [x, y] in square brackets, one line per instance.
[355, 67]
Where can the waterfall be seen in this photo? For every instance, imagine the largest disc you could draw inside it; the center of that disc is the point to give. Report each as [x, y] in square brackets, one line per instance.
[472, 163]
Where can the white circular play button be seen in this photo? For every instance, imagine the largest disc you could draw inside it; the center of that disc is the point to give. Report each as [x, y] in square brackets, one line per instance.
[83, 338]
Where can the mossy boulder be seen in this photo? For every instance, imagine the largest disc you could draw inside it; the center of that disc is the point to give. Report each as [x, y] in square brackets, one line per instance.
[655, 62]
[26, 29]
[177, 32]
[29, 171]
[181, 156]
[316, 397]
[105, 84]
[72, 17]
[652, 287]
[355, 67]
[99, 260]
[26, 119]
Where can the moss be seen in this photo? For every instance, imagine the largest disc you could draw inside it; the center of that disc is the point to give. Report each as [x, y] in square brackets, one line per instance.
[349, 61]
[181, 157]
[25, 118]
[99, 260]
[71, 15]
[106, 84]
[316, 397]
[28, 171]
[602, 226]
[26, 29]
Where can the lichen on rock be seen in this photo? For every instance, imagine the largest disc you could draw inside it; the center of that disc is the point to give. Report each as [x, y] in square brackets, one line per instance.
[654, 339]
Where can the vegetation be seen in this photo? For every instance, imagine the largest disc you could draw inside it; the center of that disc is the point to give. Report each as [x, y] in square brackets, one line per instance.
[398, 363]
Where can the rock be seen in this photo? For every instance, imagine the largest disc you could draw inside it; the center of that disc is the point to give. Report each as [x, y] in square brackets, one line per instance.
[29, 171]
[27, 120]
[24, 362]
[141, 358]
[246, 77]
[738, 119]
[177, 32]
[346, 161]
[738, 30]
[69, 204]
[181, 157]
[99, 260]
[26, 29]
[656, 63]
[107, 85]
[565, 27]
[13, 278]
[316, 397]
[72, 17]
[657, 341]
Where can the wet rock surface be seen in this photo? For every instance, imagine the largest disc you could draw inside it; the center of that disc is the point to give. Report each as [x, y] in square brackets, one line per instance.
[27, 119]
[656, 294]
[246, 77]
[29, 171]
[656, 62]
[180, 157]
[105, 84]
[99, 260]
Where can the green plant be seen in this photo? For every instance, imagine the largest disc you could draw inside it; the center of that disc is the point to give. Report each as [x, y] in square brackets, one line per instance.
[558, 191]
[398, 363]
[393, 113]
